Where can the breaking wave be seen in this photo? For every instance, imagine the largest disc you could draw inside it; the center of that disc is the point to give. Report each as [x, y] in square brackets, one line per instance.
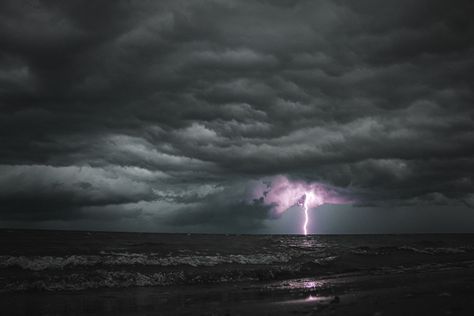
[390, 250]
[40, 263]
[97, 279]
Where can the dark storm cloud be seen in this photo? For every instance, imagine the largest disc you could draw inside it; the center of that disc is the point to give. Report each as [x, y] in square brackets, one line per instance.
[227, 209]
[170, 100]
[45, 192]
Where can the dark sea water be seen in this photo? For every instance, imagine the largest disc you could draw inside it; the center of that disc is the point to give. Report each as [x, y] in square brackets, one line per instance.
[104, 273]
[72, 261]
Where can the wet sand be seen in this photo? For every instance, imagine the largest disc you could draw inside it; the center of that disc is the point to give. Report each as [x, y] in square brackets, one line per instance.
[440, 291]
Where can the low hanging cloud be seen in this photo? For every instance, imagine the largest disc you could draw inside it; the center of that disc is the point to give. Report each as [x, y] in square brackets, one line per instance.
[169, 111]
[46, 192]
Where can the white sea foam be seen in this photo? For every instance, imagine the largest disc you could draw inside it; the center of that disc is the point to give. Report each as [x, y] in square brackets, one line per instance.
[432, 251]
[38, 263]
[326, 261]
[100, 278]
[426, 250]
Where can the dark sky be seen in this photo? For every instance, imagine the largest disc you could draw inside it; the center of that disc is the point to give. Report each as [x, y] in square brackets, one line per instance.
[162, 115]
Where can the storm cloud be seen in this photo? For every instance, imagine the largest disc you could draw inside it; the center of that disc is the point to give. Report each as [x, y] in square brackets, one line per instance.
[167, 111]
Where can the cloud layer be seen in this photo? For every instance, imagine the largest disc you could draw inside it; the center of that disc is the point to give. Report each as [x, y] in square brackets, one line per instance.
[166, 110]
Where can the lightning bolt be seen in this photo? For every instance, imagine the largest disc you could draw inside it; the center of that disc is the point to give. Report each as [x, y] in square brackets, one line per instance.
[281, 194]
[306, 219]
[307, 198]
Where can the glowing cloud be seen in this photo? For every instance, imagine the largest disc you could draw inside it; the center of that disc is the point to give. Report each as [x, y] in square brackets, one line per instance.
[282, 193]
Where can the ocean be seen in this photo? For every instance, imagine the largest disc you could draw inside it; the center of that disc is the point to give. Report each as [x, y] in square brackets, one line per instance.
[69, 272]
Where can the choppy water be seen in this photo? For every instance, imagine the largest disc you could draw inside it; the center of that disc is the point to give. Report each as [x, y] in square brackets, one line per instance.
[58, 260]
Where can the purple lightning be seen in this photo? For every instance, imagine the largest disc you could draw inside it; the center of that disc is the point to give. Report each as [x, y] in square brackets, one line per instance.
[309, 196]
[282, 193]
[304, 202]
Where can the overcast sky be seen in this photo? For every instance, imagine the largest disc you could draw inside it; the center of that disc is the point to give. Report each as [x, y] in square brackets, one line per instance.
[162, 115]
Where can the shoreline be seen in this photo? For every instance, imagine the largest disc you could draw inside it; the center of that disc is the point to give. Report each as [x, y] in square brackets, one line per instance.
[82, 273]
[437, 292]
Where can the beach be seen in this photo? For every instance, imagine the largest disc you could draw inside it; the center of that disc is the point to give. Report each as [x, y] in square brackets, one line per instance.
[97, 273]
